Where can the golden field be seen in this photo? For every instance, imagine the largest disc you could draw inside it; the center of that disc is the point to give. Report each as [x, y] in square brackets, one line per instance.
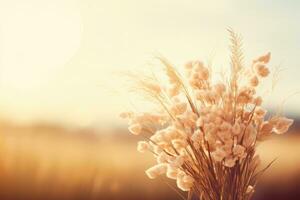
[51, 162]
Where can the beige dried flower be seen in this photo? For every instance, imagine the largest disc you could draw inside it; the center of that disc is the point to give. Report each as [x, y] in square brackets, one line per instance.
[135, 129]
[143, 146]
[261, 69]
[205, 137]
[265, 58]
[156, 170]
[254, 81]
[172, 172]
[281, 124]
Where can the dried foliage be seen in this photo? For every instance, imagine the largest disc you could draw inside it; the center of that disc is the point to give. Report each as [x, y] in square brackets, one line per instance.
[205, 134]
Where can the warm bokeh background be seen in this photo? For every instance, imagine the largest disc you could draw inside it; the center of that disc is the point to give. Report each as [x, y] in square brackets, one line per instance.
[61, 89]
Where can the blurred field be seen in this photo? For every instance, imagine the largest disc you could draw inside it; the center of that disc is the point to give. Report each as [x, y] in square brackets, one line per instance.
[51, 162]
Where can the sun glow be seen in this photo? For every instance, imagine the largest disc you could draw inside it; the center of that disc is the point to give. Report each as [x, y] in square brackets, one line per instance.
[58, 58]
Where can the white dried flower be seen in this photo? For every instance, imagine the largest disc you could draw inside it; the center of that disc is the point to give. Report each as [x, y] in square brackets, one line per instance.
[218, 155]
[220, 88]
[264, 59]
[281, 124]
[230, 161]
[239, 151]
[179, 143]
[135, 129]
[162, 158]
[203, 73]
[254, 81]
[172, 172]
[260, 112]
[261, 69]
[250, 189]
[225, 126]
[178, 161]
[155, 171]
[143, 146]
[185, 182]
[197, 136]
[157, 149]
[265, 130]
[179, 108]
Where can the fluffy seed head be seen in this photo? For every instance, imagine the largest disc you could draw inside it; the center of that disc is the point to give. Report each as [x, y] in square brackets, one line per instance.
[143, 146]
[135, 129]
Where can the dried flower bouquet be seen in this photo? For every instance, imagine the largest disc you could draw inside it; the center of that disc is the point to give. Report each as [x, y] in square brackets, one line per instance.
[205, 134]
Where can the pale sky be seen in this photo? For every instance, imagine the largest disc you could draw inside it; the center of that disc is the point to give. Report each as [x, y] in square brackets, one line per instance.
[59, 58]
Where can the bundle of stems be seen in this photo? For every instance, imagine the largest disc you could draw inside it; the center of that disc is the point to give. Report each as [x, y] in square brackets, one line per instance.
[204, 134]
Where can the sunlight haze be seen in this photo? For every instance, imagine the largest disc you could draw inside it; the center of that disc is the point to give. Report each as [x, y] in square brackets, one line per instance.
[60, 59]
